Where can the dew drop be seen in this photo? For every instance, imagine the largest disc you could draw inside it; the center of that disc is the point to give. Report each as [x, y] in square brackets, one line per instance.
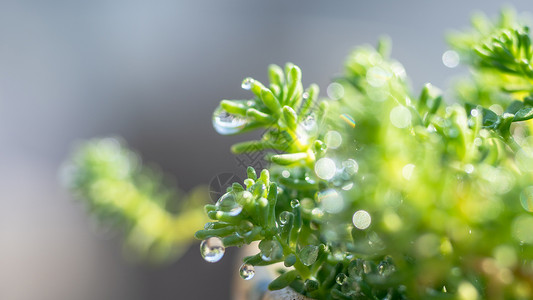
[244, 229]
[212, 249]
[526, 198]
[284, 217]
[295, 203]
[361, 219]
[226, 123]
[247, 83]
[341, 278]
[325, 168]
[271, 250]
[308, 255]
[247, 271]
[285, 174]
[228, 204]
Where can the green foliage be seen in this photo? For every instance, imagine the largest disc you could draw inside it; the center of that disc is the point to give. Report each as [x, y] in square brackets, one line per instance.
[381, 194]
[121, 192]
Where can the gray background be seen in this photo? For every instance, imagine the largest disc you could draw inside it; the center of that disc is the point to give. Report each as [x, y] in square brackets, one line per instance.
[152, 72]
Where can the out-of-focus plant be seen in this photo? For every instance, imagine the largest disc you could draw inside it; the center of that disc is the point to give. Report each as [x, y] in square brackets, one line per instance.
[121, 192]
[377, 193]
[373, 193]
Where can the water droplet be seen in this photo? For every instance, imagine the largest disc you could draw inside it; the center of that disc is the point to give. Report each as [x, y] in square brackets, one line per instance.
[341, 278]
[308, 255]
[247, 83]
[228, 204]
[247, 271]
[226, 123]
[305, 95]
[386, 268]
[400, 116]
[361, 219]
[335, 91]
[284, 217]
[450, 59]
[526, 198]
[244, 229]
[271, 250]
[295, 203]
[325, 168]
[333, 139]
[212, 249]
[330, 201]
[285, 174]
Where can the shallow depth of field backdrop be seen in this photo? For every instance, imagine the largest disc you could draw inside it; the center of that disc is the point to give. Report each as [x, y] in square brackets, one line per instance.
[153, 72]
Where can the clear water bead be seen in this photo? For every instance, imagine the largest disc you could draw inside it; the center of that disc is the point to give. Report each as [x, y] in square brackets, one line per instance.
[228, 204]
[212, 249]
[226, 123]
[247, 83]
[341, 278]
[284, 217]
[247, 271]
[295, 203]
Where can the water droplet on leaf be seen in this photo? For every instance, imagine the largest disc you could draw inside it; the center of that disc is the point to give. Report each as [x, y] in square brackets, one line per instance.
[284, 217]
[212, 249]
[341, 278]
[308, 255]
[295, 203]
[270, 250]
[247, 271]
[228, 204]
[247, 83]
[226, 123]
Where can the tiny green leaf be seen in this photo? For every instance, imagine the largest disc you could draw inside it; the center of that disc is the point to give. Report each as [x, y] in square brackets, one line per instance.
[283, 280]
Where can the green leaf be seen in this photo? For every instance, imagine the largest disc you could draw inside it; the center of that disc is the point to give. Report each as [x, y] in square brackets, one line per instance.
[270, 101]
[524, 114]
[234, 107]
[283, 280]
[290, 117]
[287, 159]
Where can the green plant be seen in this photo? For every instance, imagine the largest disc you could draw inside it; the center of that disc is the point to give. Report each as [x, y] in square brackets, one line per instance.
[376, 193]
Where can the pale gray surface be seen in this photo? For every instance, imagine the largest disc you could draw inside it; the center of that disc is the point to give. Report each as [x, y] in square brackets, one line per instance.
[153, 71]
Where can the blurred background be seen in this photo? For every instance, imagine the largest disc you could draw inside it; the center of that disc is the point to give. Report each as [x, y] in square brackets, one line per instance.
[153, 72]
